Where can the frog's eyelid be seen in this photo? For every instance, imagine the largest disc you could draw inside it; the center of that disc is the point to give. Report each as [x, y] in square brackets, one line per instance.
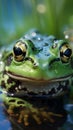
[22, 42]
[64, 43]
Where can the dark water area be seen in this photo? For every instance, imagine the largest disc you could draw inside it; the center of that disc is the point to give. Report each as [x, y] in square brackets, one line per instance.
[60, 117]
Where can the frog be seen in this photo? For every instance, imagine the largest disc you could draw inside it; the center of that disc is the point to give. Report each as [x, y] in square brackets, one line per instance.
[35, 66]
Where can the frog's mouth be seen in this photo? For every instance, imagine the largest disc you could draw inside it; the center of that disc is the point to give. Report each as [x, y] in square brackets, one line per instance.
[39, 88]
[21, 78]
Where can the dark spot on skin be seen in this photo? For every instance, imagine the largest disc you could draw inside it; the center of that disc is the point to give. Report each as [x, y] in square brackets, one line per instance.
[45, 44]
[60, 86]
[64, 86]
[54, 60]
[47, 54]
[25, 89]
[12, 88]
[20, 102]
[52, 91]
[3, 84]
[34, 37]
[29, 59]
[9, 60]
[12, 100]
[71, 62]
[33, 48]
[9, 80]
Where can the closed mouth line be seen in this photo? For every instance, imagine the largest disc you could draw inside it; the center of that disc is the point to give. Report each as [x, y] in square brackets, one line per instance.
[21, 78]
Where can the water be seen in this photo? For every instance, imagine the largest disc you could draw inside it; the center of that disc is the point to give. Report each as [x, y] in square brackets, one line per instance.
[60, 117]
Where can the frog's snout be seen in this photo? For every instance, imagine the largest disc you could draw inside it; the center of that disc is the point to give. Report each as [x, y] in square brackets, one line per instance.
[65, 53]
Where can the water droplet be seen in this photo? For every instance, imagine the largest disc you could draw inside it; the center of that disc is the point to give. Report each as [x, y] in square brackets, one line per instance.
[1, 66]
[34, 34]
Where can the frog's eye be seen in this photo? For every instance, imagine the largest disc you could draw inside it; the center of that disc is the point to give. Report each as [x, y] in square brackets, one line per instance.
[65, 53]
[19, 51]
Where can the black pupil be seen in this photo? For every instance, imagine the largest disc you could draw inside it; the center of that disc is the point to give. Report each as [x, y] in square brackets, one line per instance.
[17, 51]
[68, 52]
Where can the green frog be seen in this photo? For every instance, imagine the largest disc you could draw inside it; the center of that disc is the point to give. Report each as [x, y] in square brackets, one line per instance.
[35, 66]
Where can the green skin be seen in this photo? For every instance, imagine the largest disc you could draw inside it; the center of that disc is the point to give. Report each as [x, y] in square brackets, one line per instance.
[42, 65]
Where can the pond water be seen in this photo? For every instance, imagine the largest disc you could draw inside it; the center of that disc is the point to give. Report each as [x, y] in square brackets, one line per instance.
[60, 117]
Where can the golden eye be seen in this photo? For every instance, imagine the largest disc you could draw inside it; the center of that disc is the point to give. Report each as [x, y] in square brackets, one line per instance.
[65, 53]
[19, 51]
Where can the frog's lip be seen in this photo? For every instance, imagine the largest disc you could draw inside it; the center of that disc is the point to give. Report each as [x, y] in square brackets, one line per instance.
[21, 78]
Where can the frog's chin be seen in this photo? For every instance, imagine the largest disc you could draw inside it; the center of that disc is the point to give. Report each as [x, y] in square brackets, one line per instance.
[29, 79]
[39, 90]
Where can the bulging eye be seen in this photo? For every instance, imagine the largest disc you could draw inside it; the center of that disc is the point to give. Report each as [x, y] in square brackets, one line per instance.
[19, 51]
[65, 53]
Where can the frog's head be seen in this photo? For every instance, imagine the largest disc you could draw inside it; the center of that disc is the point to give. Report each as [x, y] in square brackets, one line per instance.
[41, 60]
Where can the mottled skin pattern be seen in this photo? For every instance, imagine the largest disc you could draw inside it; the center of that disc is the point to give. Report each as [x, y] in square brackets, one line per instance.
[37, 66]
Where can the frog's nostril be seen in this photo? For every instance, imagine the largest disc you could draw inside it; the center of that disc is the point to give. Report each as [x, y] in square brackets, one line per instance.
[65, 53]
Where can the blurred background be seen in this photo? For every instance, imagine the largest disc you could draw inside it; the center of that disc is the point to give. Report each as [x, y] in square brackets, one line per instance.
[53, 17]
[49, 16]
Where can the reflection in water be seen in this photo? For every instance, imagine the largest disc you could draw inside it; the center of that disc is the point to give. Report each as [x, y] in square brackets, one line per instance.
[53, 116]
[69, 108]
[4, 122]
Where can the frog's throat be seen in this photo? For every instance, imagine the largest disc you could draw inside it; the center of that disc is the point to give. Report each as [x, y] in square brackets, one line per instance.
[42, 89]
[21, 78]
[39, 88]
